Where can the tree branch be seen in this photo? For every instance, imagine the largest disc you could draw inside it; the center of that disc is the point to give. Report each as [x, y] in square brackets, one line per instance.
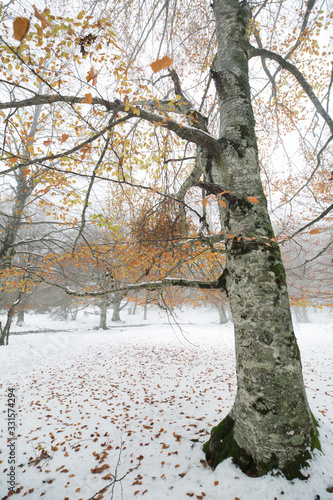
[299, 77]
[321, 216]
[157, 285]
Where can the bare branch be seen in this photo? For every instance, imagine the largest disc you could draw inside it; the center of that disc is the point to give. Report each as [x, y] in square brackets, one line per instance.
[157, 285]
[86, 201]
[321, 216]
[299, 77]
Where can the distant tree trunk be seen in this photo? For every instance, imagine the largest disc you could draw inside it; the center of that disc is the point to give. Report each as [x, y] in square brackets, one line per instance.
[301, 314]
[222, 313]
[117, 299]
[4, 332]
[103, 313]
[74, 310]
[20, 317]
[270, 425]
[132, 309]
[116, 312]
[145, 311]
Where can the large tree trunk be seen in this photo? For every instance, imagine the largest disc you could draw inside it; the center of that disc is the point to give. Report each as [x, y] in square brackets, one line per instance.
[270, 425]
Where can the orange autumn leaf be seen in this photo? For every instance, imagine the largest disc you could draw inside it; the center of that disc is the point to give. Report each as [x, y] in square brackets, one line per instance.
[42, 18]
[85, 149]
[92, 75]
[88, 98]
[64, 138]
[253, 199]
[216, 483]
[48, 142]
[314, 231]
[223, 203]
[204, 202]
[159, 64]
[21, 27]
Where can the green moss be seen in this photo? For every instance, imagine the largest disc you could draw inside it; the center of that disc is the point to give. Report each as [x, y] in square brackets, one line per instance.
[222, 445]
[315, 443]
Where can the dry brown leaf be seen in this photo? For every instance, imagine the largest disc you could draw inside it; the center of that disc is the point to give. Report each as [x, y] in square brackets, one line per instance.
[21, 27]
[92, 76]
[87, 99]
[160, 64]
[99, 470]
[107, 476]
[253, 199]
[63, 138]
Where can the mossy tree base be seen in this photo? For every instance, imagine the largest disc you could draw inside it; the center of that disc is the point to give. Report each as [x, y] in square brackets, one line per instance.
[222, 445]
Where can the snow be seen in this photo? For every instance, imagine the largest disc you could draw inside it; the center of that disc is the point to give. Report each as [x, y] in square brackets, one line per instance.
[137, 402]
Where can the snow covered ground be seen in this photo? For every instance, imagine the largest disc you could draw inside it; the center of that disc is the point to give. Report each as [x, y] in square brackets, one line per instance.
[136, 403]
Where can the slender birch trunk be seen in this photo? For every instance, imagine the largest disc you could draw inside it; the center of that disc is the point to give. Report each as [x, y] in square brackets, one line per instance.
[270, 425]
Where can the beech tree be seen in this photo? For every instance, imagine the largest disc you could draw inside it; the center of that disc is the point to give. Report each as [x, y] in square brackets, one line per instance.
[97, 61]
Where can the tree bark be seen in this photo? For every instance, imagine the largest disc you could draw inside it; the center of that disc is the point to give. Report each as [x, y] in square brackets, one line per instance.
[4, 332]
[270, 425]
[20, 317]
[116, 310]
[222, 314]
[117, 307]
[103, 313]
